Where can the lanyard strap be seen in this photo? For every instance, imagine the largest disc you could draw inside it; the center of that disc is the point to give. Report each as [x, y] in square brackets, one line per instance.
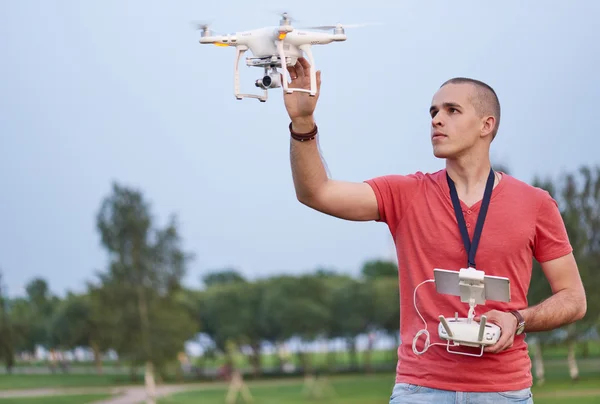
[471, 248]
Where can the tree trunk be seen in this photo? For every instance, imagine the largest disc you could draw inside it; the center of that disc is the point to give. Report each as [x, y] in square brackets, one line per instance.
[367, 356]
[304, 359]
[97, 357]
[150, 386]
[133, 372]
[331, 359]
[572, 361]
[149, 372]
[256, 366]
[327, 351]
[586, 349]
[539, 362]
[351, 344]
[279, 354]
[369, 353]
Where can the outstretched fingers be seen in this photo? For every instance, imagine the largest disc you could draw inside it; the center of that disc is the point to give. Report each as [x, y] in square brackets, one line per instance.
[292, 71]
[300, 72]
[305, 65]
[297, 70]
[318, 74]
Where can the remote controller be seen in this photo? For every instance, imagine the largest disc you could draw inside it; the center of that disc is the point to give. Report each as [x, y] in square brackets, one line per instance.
[474, 288]
[468, 332]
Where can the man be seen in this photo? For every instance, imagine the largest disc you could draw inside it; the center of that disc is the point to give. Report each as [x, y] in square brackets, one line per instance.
[521, 223]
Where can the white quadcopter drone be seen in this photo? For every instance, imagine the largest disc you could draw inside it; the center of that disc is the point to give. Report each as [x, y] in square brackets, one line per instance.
[473, 287]
[275, 47]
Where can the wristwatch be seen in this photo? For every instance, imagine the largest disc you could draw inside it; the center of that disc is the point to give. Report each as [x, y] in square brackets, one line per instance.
[520, 322]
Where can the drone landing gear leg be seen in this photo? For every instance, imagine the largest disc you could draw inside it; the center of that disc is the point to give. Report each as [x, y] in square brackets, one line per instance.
[283, 67]
[313, 71]
[240, 50]
[236, 76]
[313, 75]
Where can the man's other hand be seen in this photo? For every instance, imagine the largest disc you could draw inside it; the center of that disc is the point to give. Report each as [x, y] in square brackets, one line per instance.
[508, 326]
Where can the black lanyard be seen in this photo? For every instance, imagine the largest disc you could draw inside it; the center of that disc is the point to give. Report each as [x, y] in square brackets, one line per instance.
[471, 247]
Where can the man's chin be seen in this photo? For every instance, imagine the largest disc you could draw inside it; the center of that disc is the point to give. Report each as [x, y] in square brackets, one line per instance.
[441, 154]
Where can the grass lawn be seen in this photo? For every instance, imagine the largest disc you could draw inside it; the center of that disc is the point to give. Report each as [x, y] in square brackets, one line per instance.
[349, 389]
[19, 381]
[68, 399]
[591, 350]
[375, 389]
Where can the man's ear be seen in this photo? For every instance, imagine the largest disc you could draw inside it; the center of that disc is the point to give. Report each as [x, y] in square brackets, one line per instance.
[488, 126]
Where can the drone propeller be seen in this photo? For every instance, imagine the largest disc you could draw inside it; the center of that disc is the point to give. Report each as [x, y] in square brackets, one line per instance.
[285, 16]
[201, 24]
[205, 27]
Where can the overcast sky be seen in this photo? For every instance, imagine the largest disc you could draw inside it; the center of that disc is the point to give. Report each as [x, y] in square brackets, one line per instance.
[100, 91]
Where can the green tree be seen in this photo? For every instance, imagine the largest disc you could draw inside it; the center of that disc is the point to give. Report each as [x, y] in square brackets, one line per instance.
[224, 276]
[7, 348]
[386, 302]
[78, 321]
[578, 196]
[352, 310]
[297, 306]
[230, 313]
[30, 317]
[140, 289]
[379, 268]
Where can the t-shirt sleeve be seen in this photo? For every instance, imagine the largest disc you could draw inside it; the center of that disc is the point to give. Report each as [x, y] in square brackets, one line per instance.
[394, 194]
[551, 237]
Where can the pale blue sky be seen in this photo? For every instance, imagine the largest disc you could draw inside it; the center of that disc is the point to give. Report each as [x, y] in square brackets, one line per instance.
[96, 91]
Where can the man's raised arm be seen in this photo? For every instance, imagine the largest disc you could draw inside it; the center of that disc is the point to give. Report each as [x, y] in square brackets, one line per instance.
[346, 200]
[343, 199]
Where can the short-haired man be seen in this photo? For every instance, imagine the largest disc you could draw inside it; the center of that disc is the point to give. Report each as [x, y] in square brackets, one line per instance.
[522, 222]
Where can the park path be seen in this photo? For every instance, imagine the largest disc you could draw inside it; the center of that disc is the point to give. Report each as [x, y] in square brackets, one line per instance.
[137, 395]
[132, 394]
[120, 395]
[57, 391]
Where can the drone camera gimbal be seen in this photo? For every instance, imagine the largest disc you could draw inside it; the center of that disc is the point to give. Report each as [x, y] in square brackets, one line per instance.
[270, 80]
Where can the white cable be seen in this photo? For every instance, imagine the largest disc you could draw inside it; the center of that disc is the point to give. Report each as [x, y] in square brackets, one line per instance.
[424, 330]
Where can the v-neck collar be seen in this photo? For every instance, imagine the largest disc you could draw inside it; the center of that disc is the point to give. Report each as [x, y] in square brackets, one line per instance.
[443, 182]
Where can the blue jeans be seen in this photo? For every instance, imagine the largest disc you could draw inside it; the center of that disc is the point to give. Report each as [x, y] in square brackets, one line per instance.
[413, 394]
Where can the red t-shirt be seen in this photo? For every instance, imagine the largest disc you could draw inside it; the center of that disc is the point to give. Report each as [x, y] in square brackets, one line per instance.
[522, 223]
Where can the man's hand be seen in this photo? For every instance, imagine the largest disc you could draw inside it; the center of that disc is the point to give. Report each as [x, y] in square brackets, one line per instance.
[508, 326]
[301, 106]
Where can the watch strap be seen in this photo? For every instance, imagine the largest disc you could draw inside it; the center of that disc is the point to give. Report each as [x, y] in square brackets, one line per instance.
[520, 321]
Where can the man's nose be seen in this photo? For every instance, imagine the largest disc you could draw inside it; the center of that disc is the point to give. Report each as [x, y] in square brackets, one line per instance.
[436, 121]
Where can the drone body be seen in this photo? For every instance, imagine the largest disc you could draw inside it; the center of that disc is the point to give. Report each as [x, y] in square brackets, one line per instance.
[273, 48]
